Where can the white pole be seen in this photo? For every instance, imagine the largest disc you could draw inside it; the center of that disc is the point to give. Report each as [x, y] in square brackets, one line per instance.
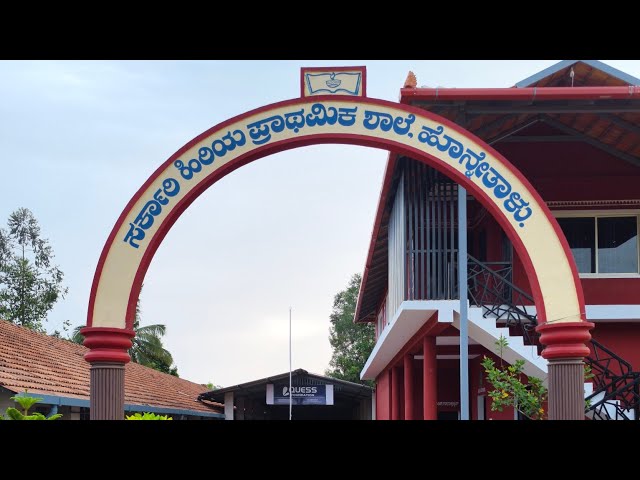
[290, 392]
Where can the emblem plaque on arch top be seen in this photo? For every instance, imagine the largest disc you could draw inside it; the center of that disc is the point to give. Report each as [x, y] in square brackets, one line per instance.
[350, 81]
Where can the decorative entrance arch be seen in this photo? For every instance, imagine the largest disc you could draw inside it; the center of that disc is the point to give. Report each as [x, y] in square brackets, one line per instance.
[343, 117]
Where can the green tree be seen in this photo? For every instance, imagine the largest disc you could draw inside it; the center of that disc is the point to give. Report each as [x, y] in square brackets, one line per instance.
[509, 389]
[30, 283]
[212, 386]
[147, 348]
[351, 342]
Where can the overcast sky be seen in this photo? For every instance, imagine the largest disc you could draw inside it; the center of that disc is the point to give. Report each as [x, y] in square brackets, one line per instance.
[79, 138]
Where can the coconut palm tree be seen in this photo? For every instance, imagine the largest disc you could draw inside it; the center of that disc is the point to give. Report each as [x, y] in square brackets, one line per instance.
[147, 348]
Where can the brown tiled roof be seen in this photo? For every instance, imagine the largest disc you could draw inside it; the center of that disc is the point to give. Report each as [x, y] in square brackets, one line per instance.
[52, 366]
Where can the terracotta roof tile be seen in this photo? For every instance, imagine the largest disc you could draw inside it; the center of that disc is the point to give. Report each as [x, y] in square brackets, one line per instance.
[52, 366]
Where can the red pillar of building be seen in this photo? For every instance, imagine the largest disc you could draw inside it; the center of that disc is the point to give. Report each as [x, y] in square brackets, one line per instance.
[474, 384]
[395, 393]
[408, 387]
[430, 379]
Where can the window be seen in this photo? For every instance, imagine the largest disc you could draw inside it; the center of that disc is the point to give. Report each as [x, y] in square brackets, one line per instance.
[617, 244]
[603, 243]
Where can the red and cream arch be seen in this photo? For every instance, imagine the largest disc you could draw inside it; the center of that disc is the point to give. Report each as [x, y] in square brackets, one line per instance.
[333, 108]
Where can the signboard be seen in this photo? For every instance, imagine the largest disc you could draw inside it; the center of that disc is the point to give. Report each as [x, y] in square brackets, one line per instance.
[278, 394]
[349, 81]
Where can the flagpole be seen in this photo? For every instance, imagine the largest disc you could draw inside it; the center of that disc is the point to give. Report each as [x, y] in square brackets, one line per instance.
[290, 393]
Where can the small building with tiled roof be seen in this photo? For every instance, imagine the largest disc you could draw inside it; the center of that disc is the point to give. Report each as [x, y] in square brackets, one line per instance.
[54, 369]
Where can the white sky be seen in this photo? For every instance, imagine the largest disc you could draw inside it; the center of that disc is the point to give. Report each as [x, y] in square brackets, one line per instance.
[78, 138]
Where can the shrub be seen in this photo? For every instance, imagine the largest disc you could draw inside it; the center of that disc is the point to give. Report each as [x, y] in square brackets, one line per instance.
[510, 390]
[26, 402]
[147, 416]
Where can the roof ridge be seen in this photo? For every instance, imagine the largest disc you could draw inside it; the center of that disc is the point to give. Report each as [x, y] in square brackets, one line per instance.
[597, 64]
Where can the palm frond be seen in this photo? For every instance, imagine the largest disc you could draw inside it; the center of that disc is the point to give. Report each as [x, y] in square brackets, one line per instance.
[148, 349]
[157, 330]
[76, 336]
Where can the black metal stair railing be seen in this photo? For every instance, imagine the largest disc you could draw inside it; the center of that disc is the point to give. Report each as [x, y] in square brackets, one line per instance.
[490, 287]
[615, 382]
[607, 368]
[618, 404]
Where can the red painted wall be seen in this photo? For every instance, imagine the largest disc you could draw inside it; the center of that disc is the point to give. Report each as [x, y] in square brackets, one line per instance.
[572, 170]
[475, 382]
[577, 171]
[611, 291]
[621, 338]
[448, 384]
[449, 388]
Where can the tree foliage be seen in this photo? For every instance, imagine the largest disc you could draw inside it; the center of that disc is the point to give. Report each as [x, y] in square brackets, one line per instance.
[147, 348]
[351, 342]
[30, 283]
[509, 389]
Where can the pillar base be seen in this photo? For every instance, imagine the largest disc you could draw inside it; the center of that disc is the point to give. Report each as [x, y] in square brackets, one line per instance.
[108, 355]
[107, 391]
[566, 389]
[565, 348]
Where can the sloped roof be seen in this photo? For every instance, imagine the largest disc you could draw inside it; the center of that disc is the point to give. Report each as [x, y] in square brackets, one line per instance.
[587, 73]
[342, 387]
[51, 366]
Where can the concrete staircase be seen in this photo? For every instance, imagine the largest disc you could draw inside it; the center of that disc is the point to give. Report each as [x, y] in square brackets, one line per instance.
[486, 332]
[492, 293]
